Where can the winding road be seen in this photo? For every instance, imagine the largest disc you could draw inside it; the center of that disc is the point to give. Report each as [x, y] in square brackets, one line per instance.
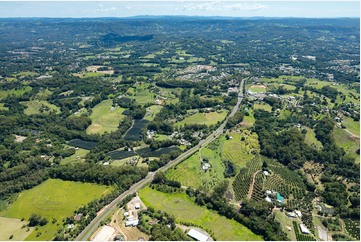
[89, 230]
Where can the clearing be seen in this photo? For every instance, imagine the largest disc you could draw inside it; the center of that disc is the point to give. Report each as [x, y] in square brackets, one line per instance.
[185, 210]
[203, 118]
[53, 199]
[39, 106]
[13, 227]
[105, 118]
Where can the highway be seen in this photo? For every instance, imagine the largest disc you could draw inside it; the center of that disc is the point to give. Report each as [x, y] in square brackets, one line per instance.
[90, 229]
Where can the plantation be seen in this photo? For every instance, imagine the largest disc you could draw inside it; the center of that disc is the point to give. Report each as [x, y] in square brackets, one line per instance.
[134, 133]
[186, 211]
[353, 228]
[105, 118]
[121, 154]
[88, 145]
[203, 118]
[299, 235]
[242, 182]
[38, 107]
[147, 152]
[55, 200]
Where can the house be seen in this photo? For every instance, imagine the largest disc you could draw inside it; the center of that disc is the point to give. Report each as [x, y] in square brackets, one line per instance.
[299, 214]
[304, 229]
[265, 173]
[137, 206]
[131, 221]
[268, 199]
[78, 216]
[206, 166]
[197, 235]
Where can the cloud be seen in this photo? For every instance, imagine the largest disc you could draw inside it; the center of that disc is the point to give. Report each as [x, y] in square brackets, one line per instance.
[101, 9]
[220, 6]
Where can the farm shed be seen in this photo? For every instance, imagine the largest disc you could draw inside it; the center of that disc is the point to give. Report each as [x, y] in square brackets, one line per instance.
[304, 229]
[197, 235]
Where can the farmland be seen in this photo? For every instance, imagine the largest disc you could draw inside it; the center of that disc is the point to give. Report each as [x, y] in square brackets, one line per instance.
[185, 210]
[88, 145]
[105, 118]
[190, 173]
[347, 142]
[37, 107]
[203, 118]
[53, 199]
[13, 227]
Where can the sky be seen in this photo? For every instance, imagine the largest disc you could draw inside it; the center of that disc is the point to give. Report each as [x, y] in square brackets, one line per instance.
[233, 8]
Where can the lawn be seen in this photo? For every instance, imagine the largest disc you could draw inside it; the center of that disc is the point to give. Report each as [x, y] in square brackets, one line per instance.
[190, 173]
[81, 153]
[240, 152]
[104, 118]
[53, 199]
[16, 92]
[203, 118]
[312, 140]
[13, 226]
[285, 221]
[152, 111]
[264, 106]
[348, 143]
[185, 210]
[38, 107]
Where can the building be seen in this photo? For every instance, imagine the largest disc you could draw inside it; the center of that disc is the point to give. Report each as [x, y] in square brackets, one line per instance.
[304, 229]
[131, 221]
[268, 199]
[292, 215]
[197, 235]
[299, 214]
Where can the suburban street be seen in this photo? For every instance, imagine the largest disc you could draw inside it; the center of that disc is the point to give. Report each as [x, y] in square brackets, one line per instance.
[92, 227]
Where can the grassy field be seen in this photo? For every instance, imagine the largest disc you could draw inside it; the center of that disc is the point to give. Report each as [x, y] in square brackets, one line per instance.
[249, 120]
[185, 210]
[53, 199]
[13, 226]
[17, 92]
[285, 221]
[311, 139]
[152, 111]
[240, 152]
[142, 95]
[350, 144]
[257, 89]
[2, 107]
[203, 118]
[104, 119]
[352, 126]
[38, 107]
[43, 94]
[190, 173]
[81, 153]
[264, 106]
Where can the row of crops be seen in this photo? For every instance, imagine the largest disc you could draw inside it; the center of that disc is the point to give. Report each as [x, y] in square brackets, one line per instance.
[88, 145]
[143, 152]
[353, 228]
[300, 236]
[243, 180]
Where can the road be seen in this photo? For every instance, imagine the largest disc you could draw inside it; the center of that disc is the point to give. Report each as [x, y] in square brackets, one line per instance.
[89, 230]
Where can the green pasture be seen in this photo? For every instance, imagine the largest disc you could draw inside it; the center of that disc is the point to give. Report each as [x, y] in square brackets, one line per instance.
[2, 107]
[249, 120]
[152, 111]
[347, 142]
[39, 106]
[76, 157]
[264, 106]
[352, 126]
[239, 152]
[312, 140]
[185, 210]
[257, 89]
[55, 200]
[190, 173]
[43, 94]
[203, 118]
[13, 227]
[104, 119]
[16, 92]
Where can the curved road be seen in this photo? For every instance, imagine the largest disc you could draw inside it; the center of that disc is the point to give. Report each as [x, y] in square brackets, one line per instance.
[89, 230]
